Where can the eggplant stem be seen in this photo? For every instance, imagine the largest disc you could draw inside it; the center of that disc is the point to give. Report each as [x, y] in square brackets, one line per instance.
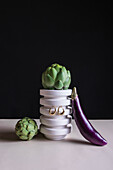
[74, 93]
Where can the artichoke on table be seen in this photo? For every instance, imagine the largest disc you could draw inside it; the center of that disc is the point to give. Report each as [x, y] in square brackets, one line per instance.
[26, 128]
[56, 77]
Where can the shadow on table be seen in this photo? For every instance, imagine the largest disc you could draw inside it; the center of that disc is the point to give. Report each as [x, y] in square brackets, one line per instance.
[40, 137]
[8, 136]
[77, 141]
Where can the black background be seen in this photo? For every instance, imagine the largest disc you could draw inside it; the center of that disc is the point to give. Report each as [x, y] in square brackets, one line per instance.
[35, 35]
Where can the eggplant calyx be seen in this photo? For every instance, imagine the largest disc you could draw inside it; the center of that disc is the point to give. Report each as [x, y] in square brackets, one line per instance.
[74, 93]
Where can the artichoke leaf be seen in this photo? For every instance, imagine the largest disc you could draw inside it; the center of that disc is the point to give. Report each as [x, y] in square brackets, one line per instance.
[53, 65]
[61, 76]
[30, 127]
[57, 67]
[65, 88]
[59, 84]
[36, 128]
[23, 137]
[65, 72]
[68, 73]
[67, 83]
[49, 82]
[32, 122]
[43, 74]
[53, 73]
[31, 134]
[24, 132]
[47, 70]
[17, 132]
[51, 88]
[45, 87]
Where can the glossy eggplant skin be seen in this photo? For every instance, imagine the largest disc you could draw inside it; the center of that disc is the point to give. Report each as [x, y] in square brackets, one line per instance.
[84, 126]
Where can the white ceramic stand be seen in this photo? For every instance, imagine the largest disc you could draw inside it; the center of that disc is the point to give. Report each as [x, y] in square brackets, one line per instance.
[55, 127]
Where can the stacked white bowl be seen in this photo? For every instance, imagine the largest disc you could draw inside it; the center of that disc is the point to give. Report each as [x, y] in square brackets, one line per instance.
[57, 126]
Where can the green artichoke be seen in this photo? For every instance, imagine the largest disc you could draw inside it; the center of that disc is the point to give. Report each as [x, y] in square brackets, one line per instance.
[26, 128]
[56, 77]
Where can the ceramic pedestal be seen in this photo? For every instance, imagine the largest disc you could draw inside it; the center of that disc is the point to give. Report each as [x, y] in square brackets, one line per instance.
[55, 127]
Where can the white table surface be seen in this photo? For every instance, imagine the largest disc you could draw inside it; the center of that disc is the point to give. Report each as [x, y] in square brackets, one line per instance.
[72, 153]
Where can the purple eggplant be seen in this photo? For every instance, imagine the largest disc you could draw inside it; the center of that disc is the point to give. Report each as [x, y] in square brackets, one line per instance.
[83, 124]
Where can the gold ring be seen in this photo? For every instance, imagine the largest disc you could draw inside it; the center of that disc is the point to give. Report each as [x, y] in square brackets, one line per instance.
[52, 112]
[60, 113]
